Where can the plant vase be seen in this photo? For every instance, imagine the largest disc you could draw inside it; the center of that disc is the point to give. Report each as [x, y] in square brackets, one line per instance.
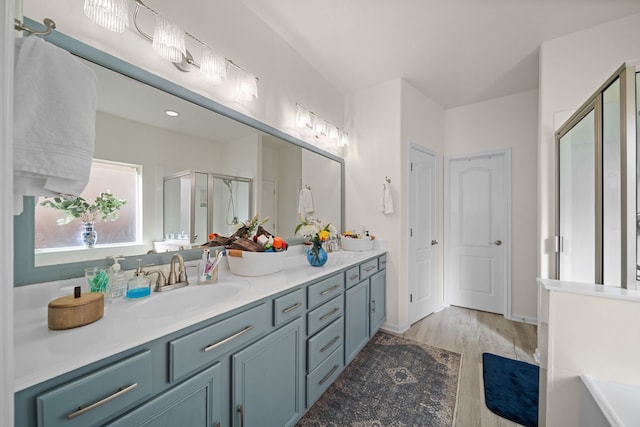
[316, 255]
[88, 234]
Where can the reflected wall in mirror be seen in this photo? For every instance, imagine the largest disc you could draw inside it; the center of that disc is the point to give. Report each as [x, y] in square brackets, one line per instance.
[132, 127]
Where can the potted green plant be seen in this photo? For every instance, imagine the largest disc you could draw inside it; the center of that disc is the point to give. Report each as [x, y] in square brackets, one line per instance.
[105, 207]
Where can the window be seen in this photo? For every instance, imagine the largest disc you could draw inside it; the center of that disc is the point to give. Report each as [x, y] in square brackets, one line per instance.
[124, 182]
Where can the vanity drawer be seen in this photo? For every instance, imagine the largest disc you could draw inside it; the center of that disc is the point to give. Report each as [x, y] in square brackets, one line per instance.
[325, 314]
[324, 343]
[382, 262]
[201, 348]
[368, 268]
[325, 290]
[288, 307]
[95, 397]
[352, 276]
[321, 378]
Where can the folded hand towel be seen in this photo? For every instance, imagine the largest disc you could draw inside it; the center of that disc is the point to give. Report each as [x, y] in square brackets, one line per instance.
[305, 202]
[386, 200]
[54, 121]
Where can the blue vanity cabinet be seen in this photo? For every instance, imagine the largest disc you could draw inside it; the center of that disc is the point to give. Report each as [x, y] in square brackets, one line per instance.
[365, 305]
[268, 379]
[196, 402]
[377, 301]
[356, 319]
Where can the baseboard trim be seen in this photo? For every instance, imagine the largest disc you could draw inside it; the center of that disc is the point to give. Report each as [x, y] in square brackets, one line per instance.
[523, 319]
[395, 328]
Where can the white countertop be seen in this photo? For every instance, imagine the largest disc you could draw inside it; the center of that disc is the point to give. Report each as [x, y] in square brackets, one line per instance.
[618, 402]
[42, 354]
[604, 291]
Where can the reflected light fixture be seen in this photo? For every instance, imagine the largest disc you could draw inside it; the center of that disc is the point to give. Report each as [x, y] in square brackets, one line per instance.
[110, 14]
[310, 124]
[171, 113]
[168, 40]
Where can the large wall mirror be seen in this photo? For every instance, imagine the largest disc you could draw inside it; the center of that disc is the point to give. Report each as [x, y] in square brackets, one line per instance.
[207, 137]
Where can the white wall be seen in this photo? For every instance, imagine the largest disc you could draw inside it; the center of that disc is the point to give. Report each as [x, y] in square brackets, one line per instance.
[374, 151]
[507, 122]
[388, 118]
[571, 69]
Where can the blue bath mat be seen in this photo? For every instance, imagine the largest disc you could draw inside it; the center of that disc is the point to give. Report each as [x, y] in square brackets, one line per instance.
[511, 388]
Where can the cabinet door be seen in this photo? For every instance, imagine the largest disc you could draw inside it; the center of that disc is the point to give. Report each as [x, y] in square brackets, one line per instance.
[268, 379]
[378, 302]
[356, 319]
[194, 402]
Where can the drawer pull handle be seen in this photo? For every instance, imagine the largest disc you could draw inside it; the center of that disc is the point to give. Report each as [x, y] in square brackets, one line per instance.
[241, 412]
[371, 267]
[328, 346]
[84, 409]
[331, 289]
[326, 377]
[384, 261]
[354, 277]
[291, 308]
[329, 314]
[230, 338]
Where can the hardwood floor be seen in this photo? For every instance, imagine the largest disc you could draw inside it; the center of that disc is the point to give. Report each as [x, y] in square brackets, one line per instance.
[472, 333]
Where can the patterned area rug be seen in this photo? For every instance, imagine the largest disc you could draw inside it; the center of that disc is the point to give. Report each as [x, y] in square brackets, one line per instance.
[394, 382]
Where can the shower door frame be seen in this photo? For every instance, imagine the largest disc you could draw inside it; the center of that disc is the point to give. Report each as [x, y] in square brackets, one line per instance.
[628, 173]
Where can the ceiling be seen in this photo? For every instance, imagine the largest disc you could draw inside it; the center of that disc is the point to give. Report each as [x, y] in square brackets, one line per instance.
[457, 52]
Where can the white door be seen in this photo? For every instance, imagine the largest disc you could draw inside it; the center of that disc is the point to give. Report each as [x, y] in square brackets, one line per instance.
[423, 239]
[269, 207]
[477, 226]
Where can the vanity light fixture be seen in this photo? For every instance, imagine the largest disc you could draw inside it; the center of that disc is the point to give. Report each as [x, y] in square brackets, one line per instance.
[170, 42]
[171, 113]
[110, 14]
[309, 124]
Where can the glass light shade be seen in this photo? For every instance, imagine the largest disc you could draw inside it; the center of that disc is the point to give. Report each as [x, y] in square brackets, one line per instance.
[247, 86]
[110, 14]
[303, 118]
[213, 65]
[168, 40]
[344, 140]
[320, 128]
[334, 134]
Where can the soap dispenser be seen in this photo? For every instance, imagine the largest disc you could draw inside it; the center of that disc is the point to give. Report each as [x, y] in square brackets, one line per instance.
[139, 286]
[117, 279]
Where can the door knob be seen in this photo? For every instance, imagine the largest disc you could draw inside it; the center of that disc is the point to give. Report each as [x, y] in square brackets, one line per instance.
[434, 242]
[497, 243]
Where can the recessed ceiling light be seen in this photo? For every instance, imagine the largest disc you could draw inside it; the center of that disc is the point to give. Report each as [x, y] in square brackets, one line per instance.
[171, 113]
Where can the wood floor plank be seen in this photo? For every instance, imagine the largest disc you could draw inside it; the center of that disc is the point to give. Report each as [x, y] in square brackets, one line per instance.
[471, 333]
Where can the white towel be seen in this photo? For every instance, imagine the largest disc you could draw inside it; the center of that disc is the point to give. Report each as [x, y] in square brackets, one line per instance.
[305, 202]
[54, 121]
[386, 200]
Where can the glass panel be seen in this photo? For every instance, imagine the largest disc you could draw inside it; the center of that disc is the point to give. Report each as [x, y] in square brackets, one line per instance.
[611, 192]
[201, 209]
[119, 179]
[577, 202]
[231, 200]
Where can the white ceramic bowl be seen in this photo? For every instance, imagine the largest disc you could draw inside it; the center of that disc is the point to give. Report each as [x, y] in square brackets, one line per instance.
[357, 245]
[244, 263]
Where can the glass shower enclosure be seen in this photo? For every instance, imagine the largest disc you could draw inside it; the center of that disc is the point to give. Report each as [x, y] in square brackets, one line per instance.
[597, 175]
[196, 204]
